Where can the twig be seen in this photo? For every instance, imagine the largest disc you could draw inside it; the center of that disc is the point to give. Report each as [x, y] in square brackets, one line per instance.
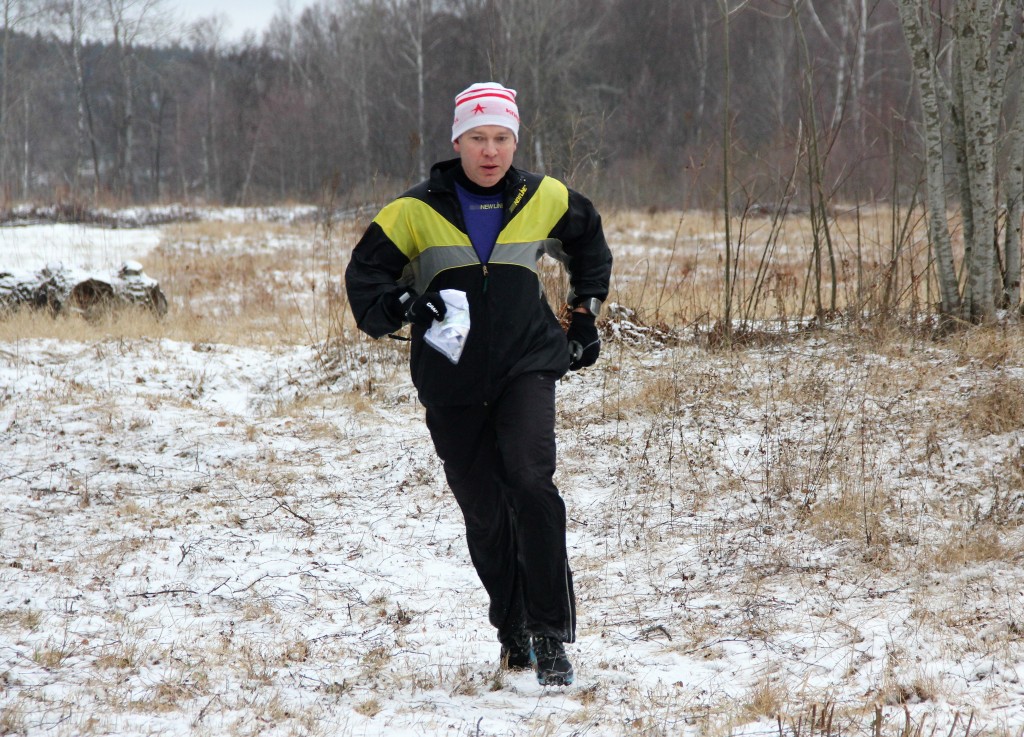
[150, 594]
[646, 633]
[285, 506]
[222, 583]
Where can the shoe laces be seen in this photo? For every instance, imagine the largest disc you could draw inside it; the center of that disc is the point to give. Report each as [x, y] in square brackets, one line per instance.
[547, 646]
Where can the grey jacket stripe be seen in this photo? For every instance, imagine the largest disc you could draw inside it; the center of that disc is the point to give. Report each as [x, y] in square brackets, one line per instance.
[433, 261]
[519, 254]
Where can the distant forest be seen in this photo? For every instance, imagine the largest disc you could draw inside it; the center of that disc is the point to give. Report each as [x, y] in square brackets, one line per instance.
[641, 103]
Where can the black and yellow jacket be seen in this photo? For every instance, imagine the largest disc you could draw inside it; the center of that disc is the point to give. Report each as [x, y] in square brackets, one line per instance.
[419, 241]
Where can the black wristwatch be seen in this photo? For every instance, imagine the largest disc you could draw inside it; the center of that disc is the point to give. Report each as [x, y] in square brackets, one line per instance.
[591, 305]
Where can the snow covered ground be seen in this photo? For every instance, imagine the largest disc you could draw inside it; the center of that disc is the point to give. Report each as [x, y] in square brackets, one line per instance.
[212, 539]
[91, 248]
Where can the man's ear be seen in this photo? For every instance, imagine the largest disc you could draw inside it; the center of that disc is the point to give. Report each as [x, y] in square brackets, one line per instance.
[455, 145]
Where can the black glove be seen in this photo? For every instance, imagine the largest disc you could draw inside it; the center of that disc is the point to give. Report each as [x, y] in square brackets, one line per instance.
[395, 303]
[584, 342]
[425, 309]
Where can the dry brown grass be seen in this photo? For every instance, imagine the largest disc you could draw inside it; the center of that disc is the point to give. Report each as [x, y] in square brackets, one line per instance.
[767, 699]
[128, 324]
[23, 619]
[997, 407]
[671, 266]
[12, 719]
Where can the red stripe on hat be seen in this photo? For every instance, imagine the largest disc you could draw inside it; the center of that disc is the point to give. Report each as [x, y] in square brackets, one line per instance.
[485, 93]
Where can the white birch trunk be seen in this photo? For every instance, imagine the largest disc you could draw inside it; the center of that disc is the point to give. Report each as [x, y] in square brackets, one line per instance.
[4, 84]
[938, 227]
[126, 166]
[974, 28]
[955, 104]
[211, 172]
[700, 47]
[842, 62]
[1013, 240]
[26, 161]
[1006, 57]
[413, 20]
[858, 73]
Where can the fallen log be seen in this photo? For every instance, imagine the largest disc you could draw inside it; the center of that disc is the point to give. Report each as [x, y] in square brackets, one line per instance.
[60, 289]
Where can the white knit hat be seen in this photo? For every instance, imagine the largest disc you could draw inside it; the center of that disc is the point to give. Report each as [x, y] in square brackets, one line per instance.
[485, 103]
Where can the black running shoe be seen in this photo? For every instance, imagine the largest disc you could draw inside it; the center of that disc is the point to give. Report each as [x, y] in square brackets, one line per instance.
[553, 667]
[517, 652]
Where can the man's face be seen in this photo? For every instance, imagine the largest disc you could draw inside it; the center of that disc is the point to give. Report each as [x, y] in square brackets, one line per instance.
[486, 152]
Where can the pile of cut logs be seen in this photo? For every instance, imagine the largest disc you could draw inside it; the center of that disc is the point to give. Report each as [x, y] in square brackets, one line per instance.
[60, 289]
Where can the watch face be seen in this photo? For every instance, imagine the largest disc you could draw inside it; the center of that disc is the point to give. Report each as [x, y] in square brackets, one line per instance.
[592, 305]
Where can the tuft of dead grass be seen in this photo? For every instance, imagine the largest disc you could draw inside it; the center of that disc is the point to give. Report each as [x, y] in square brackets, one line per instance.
[27, 619]
[967, 545]
[369, 708]
[997, 408]
[13, 719]
[766, 699]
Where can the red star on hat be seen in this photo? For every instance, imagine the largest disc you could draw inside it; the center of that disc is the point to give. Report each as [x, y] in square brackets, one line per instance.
[478, 109]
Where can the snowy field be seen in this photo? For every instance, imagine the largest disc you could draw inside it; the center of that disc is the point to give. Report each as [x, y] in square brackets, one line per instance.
[213, 539]
[90, 248]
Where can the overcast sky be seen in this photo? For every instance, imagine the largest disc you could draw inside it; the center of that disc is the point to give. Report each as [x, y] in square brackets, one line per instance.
[242, 15]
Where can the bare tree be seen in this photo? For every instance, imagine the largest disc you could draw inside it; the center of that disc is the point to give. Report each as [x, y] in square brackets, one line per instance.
[728, 8]
[535, 45]
[981, 53]
[74, 17]
[130, 22]
[928, 82]
[699, 34]
[207, 37]
[15, 13]
[340, 48]
[849, 43]
[415, 47]
[1014, 239]
[629, 88]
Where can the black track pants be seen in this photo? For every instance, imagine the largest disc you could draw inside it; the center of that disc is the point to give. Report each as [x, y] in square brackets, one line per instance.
[499, 461]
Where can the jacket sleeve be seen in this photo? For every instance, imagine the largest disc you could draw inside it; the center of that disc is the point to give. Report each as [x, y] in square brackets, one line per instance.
[587, 256]
[372, 282]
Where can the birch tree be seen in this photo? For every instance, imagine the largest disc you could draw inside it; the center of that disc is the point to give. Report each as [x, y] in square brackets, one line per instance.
[699, 34]
[961, 113]
[1013, 238]
[850, 48]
